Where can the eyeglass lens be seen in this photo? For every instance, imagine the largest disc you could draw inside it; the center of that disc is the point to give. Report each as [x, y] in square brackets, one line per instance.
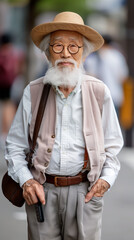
[72, 48]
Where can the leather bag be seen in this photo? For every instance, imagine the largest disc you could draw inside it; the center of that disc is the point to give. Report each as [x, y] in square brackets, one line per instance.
[11, 189]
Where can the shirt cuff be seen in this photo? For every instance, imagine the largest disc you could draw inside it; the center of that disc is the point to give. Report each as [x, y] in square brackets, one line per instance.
[109, 179]
[23, 175]
[109, 176]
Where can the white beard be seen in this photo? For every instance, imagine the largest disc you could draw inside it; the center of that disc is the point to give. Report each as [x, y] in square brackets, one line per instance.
[65, 76]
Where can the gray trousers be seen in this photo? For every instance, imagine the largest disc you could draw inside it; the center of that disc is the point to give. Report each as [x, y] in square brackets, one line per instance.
[67, 216]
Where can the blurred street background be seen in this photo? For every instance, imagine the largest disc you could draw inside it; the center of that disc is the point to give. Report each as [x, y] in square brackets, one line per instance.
[113, 64]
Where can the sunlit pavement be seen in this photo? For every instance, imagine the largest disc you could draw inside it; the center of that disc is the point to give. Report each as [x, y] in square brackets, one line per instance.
[118, 215]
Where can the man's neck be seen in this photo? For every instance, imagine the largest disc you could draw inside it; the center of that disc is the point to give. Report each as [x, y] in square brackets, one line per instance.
[66, 90]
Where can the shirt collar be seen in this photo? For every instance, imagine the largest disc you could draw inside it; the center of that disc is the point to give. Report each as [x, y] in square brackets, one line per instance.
[75, 90]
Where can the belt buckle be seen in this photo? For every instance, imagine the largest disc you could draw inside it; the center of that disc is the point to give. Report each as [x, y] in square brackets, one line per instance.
[62, 184]
[55, 181]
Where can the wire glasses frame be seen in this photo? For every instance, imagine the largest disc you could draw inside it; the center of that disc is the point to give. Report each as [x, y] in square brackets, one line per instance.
[72, 48]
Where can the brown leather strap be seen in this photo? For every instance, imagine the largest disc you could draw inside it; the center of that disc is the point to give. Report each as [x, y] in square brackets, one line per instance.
[61, 181]
[39, 117]
[40, 113]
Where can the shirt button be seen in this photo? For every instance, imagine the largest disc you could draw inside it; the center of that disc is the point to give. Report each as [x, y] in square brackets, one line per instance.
[53, 136]
[49, 150]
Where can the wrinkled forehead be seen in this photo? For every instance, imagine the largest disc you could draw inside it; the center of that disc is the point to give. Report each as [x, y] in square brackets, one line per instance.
[66, 35]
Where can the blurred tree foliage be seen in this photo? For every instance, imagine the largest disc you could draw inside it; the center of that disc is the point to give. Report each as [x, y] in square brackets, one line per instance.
[39, 6]
[78, 6]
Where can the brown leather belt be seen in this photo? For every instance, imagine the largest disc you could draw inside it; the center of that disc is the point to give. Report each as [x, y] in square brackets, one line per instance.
[61, 181]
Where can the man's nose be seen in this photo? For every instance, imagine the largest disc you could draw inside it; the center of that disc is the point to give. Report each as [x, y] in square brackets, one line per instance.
[65, 53]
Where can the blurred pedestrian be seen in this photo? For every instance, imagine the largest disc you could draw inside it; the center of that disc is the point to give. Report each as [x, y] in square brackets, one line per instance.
[109, 65]
[9, 68]
[75, 160]
[18, 85]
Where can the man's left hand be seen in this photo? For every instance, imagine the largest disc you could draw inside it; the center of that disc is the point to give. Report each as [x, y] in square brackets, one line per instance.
[98, 190]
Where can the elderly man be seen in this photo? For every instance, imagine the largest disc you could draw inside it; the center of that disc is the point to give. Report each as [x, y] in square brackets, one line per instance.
[75, 160]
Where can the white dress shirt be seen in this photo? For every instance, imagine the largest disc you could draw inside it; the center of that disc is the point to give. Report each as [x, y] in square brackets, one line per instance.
[69, 147]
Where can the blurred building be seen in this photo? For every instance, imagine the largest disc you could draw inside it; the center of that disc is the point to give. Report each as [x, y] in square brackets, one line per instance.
[108, 17]
[13, 20]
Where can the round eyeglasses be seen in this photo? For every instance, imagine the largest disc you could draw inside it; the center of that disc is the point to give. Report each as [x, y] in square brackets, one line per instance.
[72, 48]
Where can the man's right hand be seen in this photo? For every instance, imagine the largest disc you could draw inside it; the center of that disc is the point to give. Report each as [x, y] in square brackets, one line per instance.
[32, 190]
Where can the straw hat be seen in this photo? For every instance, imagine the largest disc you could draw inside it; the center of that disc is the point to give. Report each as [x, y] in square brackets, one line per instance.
[67, 21]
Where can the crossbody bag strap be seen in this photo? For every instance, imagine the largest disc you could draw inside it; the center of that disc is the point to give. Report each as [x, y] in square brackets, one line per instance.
[40, 113]
[38, 121]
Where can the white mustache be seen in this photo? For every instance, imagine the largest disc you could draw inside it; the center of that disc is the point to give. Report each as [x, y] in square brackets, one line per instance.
[64, 61]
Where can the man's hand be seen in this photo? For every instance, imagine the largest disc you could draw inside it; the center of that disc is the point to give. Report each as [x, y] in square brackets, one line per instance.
[32, 190]
[98, 190]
